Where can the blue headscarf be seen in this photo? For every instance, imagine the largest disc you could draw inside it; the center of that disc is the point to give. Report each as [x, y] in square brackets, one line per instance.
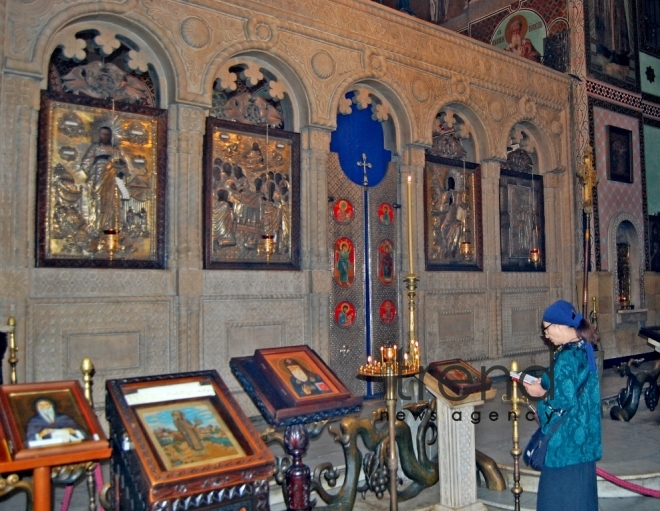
[563, 313]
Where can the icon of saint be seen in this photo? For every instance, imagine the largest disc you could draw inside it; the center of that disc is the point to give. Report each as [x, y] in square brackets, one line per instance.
[304, 381]
[224, 223]
[385, 215]
[49, 427]
[518, 43]
[102, 164]
[343, 263]
[187, 430]
[385, 263]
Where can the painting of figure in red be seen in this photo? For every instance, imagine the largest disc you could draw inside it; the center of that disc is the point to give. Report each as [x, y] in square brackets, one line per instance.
[344, 314]
[387, 312]
[386, 214]
[343, 211]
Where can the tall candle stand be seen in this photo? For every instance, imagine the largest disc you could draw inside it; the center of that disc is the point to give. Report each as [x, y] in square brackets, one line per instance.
[516, 451]
[389, 367]
[586, 173]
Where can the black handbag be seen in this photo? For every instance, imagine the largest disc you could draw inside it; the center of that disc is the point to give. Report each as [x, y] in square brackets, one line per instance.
[534, 453]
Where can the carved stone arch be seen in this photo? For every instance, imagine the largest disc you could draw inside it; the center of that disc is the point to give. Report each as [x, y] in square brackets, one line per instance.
[100, 61]
[387, 107]
[287, 88]
[544, 154]
[479, 145]
[634, 231]
[153, 45]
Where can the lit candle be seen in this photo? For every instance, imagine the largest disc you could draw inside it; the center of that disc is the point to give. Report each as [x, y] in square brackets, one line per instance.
[369, 360]
[411, 257]
[382, 355]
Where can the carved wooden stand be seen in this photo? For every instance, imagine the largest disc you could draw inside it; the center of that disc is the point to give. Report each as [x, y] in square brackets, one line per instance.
[298, 479]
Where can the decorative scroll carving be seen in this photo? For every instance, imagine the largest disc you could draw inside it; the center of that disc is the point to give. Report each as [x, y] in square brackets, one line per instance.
[419, 468]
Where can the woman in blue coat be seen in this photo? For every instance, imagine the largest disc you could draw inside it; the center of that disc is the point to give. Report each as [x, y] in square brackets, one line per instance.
[568, 480]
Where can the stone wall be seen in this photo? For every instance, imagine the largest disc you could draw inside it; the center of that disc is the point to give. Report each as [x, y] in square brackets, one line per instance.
[138, 322]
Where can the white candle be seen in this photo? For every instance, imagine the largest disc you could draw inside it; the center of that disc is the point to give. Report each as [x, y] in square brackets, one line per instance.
[411, 257]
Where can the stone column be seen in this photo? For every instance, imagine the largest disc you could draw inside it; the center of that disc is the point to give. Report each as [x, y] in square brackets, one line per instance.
[490, 214]
[185, 179]
[490, 217]
[457, 466]
[315, 144]
[19, 109]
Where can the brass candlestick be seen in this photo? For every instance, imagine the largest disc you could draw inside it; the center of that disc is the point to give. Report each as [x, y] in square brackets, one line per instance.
[111, 238]
[267, 245]
[586, 173]
[87, 368]
[516, 451]
[13, 359]
[413, 349]
[390, 367]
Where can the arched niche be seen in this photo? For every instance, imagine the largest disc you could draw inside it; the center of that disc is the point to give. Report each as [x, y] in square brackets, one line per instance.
[453, 136]
[521, 151]
[453, 205]
[626, 262]
[522, 211]
[250, 91]
[363, 96]
[356, 139]
[102, 60]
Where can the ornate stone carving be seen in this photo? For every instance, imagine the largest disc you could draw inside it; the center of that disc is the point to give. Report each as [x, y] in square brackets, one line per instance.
[496, 110]
[168, 15]
[106, 81]
[107, 42]
[262, 29]
[25, 18]
[323, 64]
[460, 88]
[527, 108]
[195, 32]
[374, 63]
[74, 48]
[556, 127]
[420, 89]
[519, 161]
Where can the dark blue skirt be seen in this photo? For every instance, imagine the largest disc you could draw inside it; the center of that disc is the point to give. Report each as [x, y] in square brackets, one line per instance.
[568, 488]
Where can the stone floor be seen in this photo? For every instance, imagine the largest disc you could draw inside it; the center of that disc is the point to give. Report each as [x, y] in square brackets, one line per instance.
[629, 449]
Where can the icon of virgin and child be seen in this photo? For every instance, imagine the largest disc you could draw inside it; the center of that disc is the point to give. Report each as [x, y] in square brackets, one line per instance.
[48, 427]
[305, 382]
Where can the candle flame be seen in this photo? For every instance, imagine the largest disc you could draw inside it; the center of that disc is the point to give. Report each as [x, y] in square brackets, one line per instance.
[409, 179]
